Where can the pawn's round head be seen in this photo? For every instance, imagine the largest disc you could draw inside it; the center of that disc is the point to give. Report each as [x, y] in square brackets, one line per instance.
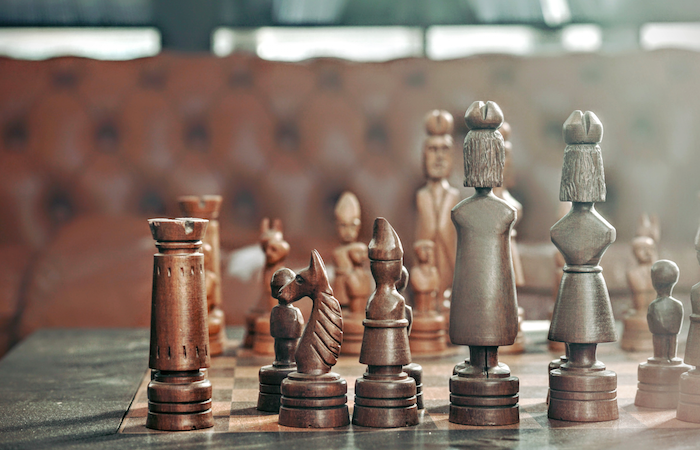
[280, 279]
[644, 249]
[664, 275]
[425, 251]
[358, 253]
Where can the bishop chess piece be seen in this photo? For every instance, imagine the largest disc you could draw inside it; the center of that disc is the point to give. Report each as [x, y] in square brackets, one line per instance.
[659, 376]
[428, 328]
[581, 389]
[179, 394]
[484, 311]
[207, 207]
[313, 396]
[385, 396]
[358, 287]
[689, 398]
[286, 326]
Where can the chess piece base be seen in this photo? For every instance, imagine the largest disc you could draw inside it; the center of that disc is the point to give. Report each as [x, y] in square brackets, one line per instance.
[689, 397]
[428, 334]
[636, 336]
[263, 342]
[314, 401]
[484, 401]
[353, 330]
[270, 393]
[582, 395]
[179, 401]
[415, 371]
[659, 385]
[385, 401]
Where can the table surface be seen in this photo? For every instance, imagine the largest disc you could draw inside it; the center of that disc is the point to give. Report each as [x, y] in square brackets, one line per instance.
[68, 388]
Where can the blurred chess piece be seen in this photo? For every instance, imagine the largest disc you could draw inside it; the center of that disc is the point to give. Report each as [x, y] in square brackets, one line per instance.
[358, 287]
[428, 329]
[347, 222]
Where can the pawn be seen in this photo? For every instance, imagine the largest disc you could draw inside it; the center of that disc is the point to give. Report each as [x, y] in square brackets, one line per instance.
[659, 376]
[428, 328]
[286, 325]
[413, 370]
[358, 287]
[689, 398]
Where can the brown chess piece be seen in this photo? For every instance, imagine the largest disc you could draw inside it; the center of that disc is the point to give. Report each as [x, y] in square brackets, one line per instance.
[385, 396]
[313, 396]
[660, 375]
[207, 207]
[559, 263]
[413, 370]
[428, 329]
[689, 398]
[581, 389]
[286, 326]
[358, 287]
[276, 250]
[484, 311]
[179, 394]
[347, 223]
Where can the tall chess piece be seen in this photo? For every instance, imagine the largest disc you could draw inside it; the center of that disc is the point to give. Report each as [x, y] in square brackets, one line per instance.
[581, 389]
[659, 376]
[502, 192]
[385, 396]
[559, 263]
[313, 396]
[689, 398]
[207, 207]
[286, 326]
[484, 313]
[179, 394]
[428, 329]
[358, 287]
[436, 199]
[276, 250]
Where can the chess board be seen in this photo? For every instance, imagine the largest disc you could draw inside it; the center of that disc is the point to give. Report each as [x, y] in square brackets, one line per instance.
[234, 379]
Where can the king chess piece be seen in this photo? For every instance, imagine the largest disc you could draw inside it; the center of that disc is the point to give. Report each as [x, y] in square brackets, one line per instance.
[207, 207]
[428, 329]
[286, 326]
[313, 396]
[484, 312]
[659, 376]
[358, 287]
[581, 389]
[689, 398]
[385, 396]
[179, 394]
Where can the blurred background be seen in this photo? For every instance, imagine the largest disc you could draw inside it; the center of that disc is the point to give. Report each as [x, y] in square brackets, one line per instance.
[111, 109]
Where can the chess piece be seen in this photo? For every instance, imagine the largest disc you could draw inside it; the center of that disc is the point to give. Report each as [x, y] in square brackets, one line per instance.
[358, 287]
[413, 370]
[581, 389]
[484, 311]
[207, 207]
[659, 376]
[436, 199]
[559, 263]
[428, 329]
[347, 222]
[635, 334]
[276, 250]
[179, 394]
[689, 398]
[385, 396]
[286, 326]
[313, 396]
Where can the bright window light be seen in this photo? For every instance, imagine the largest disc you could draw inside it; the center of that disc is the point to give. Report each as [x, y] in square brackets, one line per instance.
[670, 35]
[447, 42]
[97, 43]
[581, 38]
[555, 12]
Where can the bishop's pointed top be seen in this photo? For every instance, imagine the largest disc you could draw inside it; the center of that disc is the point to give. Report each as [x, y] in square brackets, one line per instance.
[385, 244]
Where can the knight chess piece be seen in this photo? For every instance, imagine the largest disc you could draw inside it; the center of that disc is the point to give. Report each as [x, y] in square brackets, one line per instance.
[179, 394]
[581, 389]
[659, 376]
[276, 250]
[689, 397]
[385, 396]
[358, 287]
[484, 311]
[207, 207]
[428, 329]
[286, 326]
[313, 396]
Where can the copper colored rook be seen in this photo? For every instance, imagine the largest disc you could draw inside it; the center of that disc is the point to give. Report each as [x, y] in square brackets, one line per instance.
[484, 312]
[313, 396]
[207, 207]
[179, 394]
[385, 396]
[581, 389]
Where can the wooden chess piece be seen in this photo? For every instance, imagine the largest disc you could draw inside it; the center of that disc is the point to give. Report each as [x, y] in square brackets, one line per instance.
[286, 326]
[436, 199]
[484, 311]
[385, 396]
[347, 223]
[689, 397]
[659, 376]
[502, 192]
[276, 250]
[358, 287]
[559, 263]
[313, 396]
[428, 329]
[635, 334]
[413, 370]
[207, 207]
[179, 394]
[581, 389]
